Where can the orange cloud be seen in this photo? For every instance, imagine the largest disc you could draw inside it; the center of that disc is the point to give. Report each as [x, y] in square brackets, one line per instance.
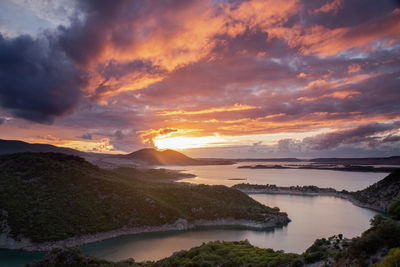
[99, 146]
[333, 7]
[236, 107]
[353, 68]
[147, 136]
[190, 39]
[335, 83]
[338, 95]
[325, 42]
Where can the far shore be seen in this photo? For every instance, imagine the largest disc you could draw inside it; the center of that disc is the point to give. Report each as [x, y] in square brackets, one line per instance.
[350, 168]
[303, 191]
[179, 225]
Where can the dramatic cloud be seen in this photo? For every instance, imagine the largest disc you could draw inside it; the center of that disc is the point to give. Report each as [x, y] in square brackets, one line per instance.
[149, 135]
[37, 81]
[365, 133]
[87, 136]
[268, 76]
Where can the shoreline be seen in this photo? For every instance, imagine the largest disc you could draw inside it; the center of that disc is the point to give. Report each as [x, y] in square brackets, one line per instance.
[322, 192]
[180, 225]
[352, 168]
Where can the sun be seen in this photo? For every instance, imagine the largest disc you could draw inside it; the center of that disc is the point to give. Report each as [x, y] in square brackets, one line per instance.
[184, 142]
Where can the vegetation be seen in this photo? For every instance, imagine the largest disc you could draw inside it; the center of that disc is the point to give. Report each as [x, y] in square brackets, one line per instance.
[371, 247]
[394, 210]
[52, 196]
[210, 254]
[392, 259]
[378, 196]
[382, 193]
[73, 256]
[230, 254]
[384, 233]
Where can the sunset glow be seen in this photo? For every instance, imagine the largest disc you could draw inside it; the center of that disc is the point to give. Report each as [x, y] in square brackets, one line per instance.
[183, 142]
[260, 78]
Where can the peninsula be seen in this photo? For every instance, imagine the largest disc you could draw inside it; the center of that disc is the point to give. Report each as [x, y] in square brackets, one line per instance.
[50, 200]
[377, 196]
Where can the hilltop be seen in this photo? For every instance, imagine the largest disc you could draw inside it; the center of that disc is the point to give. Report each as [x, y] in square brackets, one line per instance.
[153, 156]
[381, 194]
[52, 199]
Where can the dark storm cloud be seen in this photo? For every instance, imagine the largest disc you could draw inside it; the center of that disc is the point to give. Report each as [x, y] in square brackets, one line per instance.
[343, 13]
[363, 133]
[2, 120]
[37, 81]
[86, 136]
[113, 23]
[315, 65]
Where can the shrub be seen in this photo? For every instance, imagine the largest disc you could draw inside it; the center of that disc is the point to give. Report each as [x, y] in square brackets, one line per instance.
[394, 210]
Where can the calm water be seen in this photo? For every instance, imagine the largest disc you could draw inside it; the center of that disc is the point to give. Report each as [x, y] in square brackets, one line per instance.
[220, 174]
[312, 217]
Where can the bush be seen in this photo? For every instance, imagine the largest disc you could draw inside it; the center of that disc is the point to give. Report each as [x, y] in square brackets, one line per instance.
[313, 257]
[392, 259]
[384, 233]
[394, 210]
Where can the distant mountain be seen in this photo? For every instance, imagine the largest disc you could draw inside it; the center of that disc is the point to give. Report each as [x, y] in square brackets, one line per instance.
[14, 146]
[151, 156]
[270, 160]
[395, 160]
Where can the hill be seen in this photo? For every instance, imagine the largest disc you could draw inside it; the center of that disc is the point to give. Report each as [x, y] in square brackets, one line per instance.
[151, 156]
[377, 196]
[47, 197]
[381, 194]
[15, 146]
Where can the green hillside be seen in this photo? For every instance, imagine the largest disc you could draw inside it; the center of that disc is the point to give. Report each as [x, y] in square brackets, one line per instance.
[52, 196]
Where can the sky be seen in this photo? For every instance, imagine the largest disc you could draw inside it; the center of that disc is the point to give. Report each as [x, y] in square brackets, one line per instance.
[211, 78]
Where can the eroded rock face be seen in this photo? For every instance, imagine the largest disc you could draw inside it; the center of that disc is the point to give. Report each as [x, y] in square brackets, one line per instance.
[6, 239]
[5, 230]
[381, 194]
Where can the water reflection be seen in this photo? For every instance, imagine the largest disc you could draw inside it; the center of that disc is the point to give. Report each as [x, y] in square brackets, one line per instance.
[312, 218]
[220, 174]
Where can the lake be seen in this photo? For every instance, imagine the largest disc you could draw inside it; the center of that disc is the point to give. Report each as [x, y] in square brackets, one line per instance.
[339, 180]
[312, 217]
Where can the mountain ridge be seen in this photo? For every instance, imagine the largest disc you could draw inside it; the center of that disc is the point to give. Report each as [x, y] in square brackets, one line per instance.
[17, 146]
[153, 156]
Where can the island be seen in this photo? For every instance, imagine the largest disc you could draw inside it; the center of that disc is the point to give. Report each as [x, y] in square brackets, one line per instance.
[50, 200]
[330, 167]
